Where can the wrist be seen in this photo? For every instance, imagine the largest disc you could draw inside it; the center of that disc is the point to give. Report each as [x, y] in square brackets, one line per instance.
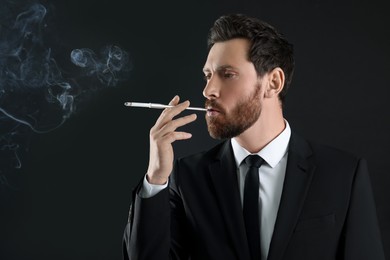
[156, 179]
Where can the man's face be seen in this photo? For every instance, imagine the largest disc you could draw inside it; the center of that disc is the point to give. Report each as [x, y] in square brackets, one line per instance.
[233, 90]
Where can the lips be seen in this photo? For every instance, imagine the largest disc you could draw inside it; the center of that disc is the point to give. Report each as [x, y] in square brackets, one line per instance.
[212, 111]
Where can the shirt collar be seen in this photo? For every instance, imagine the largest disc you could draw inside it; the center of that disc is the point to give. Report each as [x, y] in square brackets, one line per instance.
[272, 153]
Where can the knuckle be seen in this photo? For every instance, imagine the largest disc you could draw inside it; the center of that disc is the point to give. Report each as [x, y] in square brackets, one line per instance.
[153, 139]
[171, 136]
[170, 124]
[152, 132]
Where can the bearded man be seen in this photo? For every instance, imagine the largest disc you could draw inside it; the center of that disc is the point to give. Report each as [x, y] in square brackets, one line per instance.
[264, 192]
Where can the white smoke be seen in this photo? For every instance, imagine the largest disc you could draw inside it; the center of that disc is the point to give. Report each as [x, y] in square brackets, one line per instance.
[35, 96]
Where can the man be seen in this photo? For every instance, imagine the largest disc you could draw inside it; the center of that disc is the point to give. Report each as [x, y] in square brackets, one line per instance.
[301, 201]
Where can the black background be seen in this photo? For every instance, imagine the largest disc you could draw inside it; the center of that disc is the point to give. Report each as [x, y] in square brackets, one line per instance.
[75, 182]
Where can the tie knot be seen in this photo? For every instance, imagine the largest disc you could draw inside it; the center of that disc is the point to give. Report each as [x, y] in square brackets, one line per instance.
[254, 160]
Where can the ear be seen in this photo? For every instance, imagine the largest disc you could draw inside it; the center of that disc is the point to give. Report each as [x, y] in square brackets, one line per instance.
[275, 84]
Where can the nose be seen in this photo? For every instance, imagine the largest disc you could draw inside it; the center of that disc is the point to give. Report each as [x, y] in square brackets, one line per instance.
[212, 88]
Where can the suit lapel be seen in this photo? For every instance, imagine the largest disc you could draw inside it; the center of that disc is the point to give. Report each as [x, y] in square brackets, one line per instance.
[223, 172]
[297, 180]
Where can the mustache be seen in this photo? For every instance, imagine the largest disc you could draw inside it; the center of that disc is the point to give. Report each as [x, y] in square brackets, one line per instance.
[214, 104]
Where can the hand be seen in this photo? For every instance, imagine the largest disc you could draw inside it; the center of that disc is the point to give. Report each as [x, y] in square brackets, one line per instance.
[162, 135]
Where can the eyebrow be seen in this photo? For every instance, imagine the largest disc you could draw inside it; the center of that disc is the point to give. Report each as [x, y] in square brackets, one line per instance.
[220, 68]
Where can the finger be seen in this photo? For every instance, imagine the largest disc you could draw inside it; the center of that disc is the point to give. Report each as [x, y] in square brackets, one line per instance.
[173, 125]
[169, 113]
[175, 136]
[177, 109]
[174, 101]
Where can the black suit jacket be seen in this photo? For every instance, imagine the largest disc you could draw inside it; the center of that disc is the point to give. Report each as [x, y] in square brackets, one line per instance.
[326, 210]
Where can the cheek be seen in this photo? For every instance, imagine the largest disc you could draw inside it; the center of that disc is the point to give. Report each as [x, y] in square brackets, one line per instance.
[230, 99]
[238, 90]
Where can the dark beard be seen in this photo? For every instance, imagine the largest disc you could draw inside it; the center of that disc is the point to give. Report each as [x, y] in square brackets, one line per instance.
[243, 116]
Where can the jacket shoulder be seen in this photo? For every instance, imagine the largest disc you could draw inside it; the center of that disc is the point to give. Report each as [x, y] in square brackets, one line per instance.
[328, 152]
[323, 154]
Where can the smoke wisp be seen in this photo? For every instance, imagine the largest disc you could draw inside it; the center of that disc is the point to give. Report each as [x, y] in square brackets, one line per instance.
[36, 95]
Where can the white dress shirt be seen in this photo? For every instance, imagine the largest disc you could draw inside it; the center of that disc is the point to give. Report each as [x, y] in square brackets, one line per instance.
[271, 175]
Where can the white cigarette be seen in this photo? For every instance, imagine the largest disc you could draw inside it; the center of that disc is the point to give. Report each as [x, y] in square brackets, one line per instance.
[158, 106]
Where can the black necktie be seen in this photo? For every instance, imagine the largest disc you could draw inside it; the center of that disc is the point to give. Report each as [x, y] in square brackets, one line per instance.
[251, 205]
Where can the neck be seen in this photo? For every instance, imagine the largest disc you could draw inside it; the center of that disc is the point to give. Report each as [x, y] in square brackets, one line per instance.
[269, 125]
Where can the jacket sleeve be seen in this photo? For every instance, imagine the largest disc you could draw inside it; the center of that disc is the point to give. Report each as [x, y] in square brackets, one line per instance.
[156, 226]
[362, 236]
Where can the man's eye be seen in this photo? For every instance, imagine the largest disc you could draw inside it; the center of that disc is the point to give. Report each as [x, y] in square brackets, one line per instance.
[228, 75]
[207, 77]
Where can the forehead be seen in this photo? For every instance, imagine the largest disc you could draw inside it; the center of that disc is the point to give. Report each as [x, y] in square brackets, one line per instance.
[232, 53]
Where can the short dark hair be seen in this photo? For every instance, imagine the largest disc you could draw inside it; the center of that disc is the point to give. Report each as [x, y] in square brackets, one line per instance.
[269, 49]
